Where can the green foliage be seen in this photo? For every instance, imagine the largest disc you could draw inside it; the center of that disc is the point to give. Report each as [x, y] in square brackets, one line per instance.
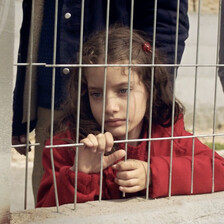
[218, 146]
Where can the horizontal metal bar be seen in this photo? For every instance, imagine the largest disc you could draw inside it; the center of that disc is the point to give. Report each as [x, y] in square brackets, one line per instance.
[119, 65]
[24, 145]
[139, 140]
[28, 64]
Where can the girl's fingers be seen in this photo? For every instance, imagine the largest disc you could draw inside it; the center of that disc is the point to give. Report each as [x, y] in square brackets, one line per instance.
[129, 189]
[93, 139]
[117, 155]
[87, 142]
[109, 141]
[126, 175]
[126, 183]
[101, 143]
[90, 142]
[105, 142]
[131, 175]
[126, 165]
[130, 185]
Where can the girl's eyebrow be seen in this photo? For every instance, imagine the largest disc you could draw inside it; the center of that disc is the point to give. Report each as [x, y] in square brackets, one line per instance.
[94, 88]
[119, 85]
[124, 83]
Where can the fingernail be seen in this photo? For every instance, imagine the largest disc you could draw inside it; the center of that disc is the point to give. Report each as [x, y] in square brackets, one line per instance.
[121, 188]
[114, 167]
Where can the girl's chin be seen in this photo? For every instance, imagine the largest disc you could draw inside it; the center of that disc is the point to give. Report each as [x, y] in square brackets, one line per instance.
[120, 133]
[117, 134]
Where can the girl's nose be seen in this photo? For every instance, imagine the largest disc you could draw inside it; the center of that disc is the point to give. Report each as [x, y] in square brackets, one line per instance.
[112, 105]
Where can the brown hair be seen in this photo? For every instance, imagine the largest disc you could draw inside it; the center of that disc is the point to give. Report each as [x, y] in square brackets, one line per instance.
[118, 51]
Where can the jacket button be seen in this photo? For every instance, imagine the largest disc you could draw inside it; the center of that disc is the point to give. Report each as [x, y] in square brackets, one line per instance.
[66, 71]
[68, 15]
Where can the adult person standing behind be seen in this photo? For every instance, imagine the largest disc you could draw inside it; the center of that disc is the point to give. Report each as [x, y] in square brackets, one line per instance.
[68, 40]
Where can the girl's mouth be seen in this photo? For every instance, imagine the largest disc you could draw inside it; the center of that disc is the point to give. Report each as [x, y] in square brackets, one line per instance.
[115, 122]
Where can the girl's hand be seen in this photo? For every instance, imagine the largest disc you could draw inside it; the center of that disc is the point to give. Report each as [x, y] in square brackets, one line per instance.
[90, 153]
[131, 175]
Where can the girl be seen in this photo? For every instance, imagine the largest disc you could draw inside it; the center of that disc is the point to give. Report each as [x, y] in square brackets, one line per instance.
[120, 175]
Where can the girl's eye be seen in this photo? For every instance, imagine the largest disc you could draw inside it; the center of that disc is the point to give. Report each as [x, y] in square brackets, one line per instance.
[96, 95]
[123, 91]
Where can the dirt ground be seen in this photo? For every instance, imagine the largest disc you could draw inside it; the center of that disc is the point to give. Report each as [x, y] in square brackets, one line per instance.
[207, 6]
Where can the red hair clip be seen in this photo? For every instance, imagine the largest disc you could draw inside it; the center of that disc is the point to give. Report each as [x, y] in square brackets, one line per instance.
[146, 46]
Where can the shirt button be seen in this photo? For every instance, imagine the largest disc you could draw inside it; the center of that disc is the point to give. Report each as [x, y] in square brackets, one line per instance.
[66, 71]
[68, 15]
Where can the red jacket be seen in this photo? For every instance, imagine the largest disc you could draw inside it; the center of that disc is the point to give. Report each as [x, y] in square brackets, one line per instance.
[88, 184]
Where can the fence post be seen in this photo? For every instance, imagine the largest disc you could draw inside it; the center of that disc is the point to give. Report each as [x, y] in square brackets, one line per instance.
[7, 11]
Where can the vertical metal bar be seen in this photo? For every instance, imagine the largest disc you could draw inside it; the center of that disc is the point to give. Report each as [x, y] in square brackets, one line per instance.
[173, 107]
[151, 98]
[104, 94]
[29, 101]
[78, 102]
[53, 100]
[215, 97]
[195, 96]
[129, 77]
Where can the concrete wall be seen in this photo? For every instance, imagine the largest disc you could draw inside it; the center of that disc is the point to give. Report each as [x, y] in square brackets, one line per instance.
[206, 209]
[206, 75]
[6, 65]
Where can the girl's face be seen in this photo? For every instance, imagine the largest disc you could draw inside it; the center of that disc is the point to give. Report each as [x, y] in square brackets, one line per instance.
[116, 100]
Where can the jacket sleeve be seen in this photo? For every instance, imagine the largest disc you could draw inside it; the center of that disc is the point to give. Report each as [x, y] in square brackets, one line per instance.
[182, 169]
[19, 128]
[88, 184]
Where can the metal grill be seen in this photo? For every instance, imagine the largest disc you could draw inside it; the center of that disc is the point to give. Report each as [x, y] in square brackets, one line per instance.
[177, 69]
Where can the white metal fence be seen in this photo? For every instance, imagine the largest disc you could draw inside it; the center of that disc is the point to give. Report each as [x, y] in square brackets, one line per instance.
[195, 68]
